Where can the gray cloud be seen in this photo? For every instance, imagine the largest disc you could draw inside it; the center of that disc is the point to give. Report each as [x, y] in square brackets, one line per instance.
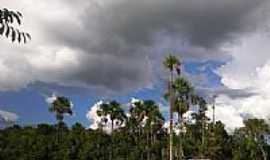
[118, 45]
[123, 33]
[124, 27]
[209, 93]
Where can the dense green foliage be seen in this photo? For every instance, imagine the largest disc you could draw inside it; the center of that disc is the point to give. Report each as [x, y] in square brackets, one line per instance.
[133, 141]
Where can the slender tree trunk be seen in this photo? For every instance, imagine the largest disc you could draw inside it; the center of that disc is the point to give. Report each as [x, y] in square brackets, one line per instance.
[151, 141]
[59, 133]
[112, 125]
[171, 115]
[263, 151]
[203, 137]
[214, 118]
[138, 138]
[148, 145]
[180, 154]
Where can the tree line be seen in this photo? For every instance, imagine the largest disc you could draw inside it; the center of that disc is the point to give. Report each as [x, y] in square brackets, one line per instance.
[140, 132]
[140, 138]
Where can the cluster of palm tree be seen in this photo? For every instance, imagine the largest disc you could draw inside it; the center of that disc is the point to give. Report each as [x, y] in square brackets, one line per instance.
[142, 122]
[143, 126]
[112, 112]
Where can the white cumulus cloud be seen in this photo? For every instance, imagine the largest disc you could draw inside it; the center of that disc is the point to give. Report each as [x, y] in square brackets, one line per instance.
[7, 118]
[249, 69]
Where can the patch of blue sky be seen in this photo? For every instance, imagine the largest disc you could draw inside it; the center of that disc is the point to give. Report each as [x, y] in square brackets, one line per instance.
[30, 105]
[207, 69]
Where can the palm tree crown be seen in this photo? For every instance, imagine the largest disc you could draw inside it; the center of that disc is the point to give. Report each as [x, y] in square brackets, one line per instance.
[171, 62]
[184, 94]
[61, 106]
[146, 109]
[114, 111]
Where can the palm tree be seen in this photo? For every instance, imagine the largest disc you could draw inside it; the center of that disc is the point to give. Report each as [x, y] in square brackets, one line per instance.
[172, 64]
[138, 115]
[184, 98]
[114, 111]
[154, 121]
[136, 122]
[147, 119]
[61, 106]
[214, 107]
[153, 114]
[201, 120]
[116, 115]
[7, 19]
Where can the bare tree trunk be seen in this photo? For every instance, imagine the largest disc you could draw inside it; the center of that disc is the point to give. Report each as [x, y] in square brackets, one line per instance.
[181, 153]
[151, 141]
[59, 132]
[112, 126]
[148, 146]
[171, 116]
[202, 152]
[263, 151]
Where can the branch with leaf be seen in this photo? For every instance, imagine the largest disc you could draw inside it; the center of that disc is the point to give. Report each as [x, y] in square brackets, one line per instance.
[8, 19]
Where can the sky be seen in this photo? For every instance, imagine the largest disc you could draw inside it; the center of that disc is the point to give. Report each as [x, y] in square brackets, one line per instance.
[92, 50]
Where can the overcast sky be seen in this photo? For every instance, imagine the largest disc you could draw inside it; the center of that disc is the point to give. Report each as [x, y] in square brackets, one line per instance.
[114, 49]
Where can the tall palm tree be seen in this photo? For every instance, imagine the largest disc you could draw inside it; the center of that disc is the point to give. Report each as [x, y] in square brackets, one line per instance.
[61, 106]
[183, 99]
[172, 64]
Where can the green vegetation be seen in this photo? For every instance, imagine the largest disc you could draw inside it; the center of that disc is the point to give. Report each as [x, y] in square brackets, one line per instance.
[139, 133]
[8, 19]
[132, 142]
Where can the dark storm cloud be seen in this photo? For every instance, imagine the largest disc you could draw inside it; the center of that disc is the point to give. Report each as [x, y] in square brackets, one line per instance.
[125, 27]
[117, 73]
[118, 37]
[119, 44]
